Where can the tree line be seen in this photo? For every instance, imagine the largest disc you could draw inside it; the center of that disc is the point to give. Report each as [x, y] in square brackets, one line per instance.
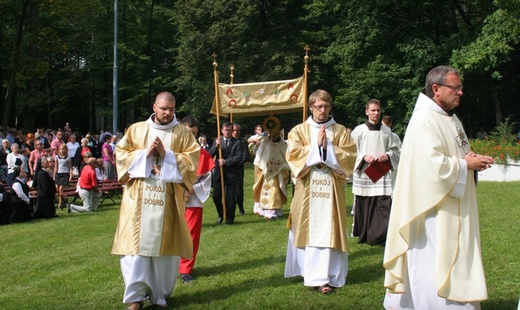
[56, 60]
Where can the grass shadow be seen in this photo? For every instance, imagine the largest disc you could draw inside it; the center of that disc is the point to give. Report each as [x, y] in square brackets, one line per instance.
[245, 265]
[223, 292]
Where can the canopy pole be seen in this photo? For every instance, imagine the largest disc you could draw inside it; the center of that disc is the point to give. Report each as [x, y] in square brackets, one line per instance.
[305, 77]
[217, 102]
[231, 76]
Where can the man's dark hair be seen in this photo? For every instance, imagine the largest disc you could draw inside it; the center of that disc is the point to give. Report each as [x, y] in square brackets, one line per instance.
[372, 101]
[190, 121]
[17, 170]
[226, 124]
[387, 119]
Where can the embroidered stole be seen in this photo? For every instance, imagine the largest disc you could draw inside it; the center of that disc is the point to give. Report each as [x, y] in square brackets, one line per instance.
[153, 203]
[321, 200]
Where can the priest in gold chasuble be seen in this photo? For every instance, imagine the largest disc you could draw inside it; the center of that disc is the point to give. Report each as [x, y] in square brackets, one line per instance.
[156, 162]
[321, 155]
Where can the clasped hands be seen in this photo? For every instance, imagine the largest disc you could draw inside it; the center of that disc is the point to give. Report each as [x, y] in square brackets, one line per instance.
[478, 162]
[156, 148]
[322, 138]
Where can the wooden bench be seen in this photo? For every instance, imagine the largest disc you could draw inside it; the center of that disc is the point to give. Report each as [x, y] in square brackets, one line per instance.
[110, 189]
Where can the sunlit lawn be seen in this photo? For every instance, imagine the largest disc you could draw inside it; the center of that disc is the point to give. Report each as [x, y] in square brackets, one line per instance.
[65, 263]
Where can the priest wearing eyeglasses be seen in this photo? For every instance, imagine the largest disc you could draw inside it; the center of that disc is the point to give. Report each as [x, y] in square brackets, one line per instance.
[432, 255]
[321, 156]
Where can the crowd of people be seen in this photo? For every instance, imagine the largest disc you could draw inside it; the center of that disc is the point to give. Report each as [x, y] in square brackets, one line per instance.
[424, 213]
[48, 161]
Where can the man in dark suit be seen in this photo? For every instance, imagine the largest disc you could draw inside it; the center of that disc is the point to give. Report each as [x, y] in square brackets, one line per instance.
[232, 156]
[245, 155]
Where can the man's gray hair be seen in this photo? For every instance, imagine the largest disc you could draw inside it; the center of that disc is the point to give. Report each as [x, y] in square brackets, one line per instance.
[437, 76]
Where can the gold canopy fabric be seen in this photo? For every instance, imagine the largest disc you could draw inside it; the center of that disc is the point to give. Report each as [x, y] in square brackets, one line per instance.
[262, 98]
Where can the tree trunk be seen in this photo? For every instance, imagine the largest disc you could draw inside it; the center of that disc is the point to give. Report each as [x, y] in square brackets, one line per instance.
[34, 82]
[6, 119]
[496, 102]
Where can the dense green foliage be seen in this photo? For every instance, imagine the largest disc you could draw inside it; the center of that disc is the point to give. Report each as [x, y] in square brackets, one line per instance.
[65, 262]
[56, 61]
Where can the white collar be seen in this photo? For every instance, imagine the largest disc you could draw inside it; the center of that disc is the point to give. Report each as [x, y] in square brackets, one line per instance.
[425, 102]
[172, 124]
[328, 123]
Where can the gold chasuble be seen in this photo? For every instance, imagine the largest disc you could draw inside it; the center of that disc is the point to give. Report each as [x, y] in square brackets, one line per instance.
[151, 221]
[318, 215]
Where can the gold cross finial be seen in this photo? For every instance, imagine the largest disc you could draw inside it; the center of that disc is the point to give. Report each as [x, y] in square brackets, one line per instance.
[214, 55]
[306, 48]
[231, 68]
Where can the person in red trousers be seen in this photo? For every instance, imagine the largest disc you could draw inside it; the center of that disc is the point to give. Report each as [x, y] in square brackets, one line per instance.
[195, 199]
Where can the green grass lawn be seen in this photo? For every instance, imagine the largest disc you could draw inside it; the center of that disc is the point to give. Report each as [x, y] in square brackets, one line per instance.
[65, 263]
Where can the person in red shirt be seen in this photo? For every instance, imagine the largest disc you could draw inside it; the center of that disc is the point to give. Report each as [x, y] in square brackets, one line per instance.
[88, 189]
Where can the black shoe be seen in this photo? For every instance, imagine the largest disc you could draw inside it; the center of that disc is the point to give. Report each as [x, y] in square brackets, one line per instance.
[186, 278]
[219, 220]
[229, 222]
[242, 213]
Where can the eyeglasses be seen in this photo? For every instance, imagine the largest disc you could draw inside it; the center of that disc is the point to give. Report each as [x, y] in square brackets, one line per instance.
[455, 88]
[325, 106]
[164, 109]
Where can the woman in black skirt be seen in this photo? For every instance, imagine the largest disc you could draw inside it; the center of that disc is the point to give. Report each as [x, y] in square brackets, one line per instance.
[46, 190]
[62, 173]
